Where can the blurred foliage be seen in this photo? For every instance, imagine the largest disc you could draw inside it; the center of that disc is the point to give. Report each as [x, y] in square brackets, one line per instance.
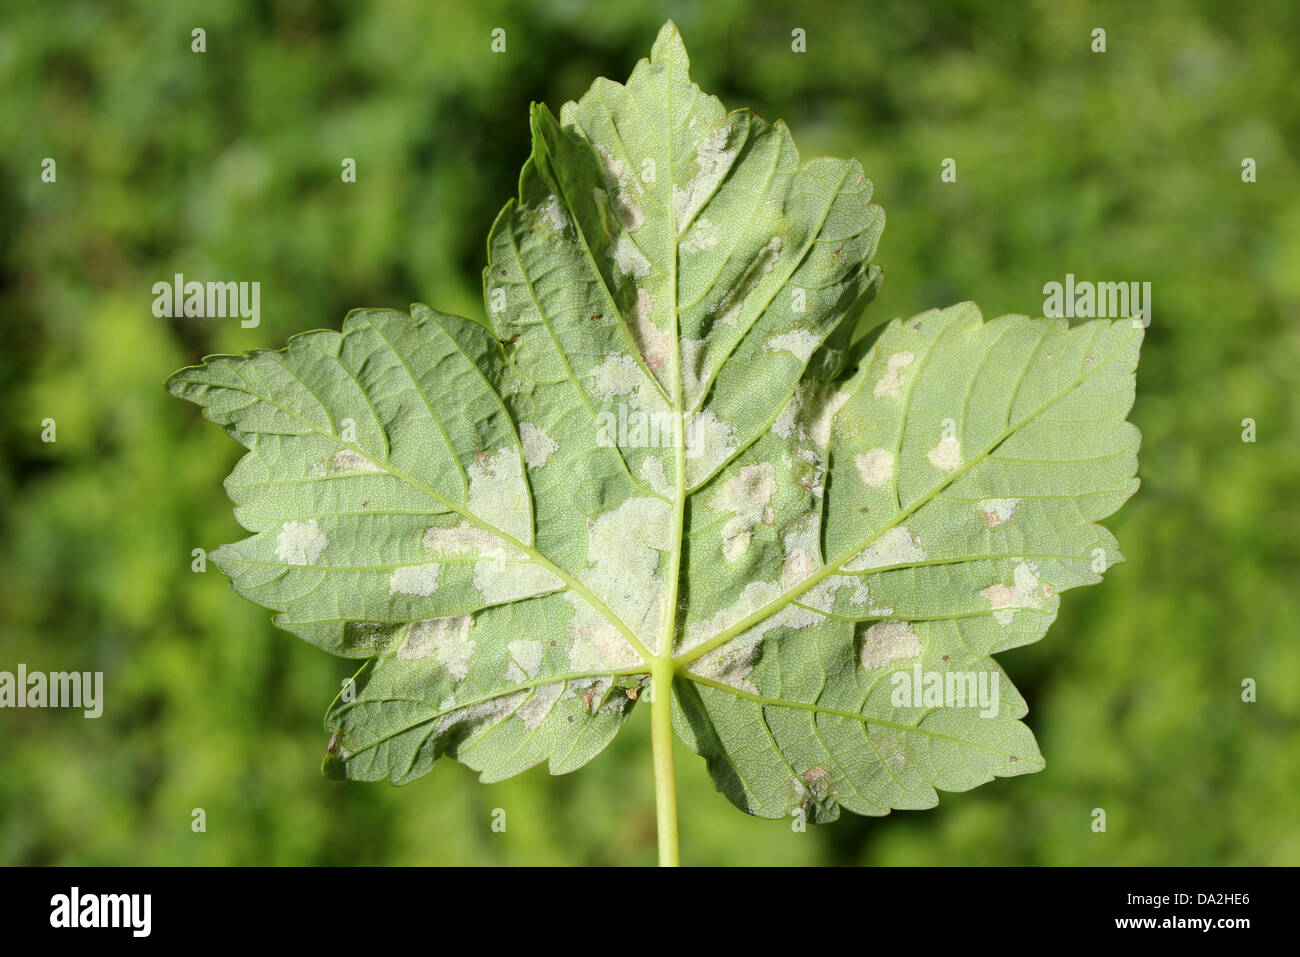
[225, 164]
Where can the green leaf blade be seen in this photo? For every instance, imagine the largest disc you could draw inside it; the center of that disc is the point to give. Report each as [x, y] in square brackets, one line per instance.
[662, 454]
[952, 484]
[385, 486]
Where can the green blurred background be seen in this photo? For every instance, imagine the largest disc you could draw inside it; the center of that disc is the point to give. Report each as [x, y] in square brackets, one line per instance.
[1119, 166]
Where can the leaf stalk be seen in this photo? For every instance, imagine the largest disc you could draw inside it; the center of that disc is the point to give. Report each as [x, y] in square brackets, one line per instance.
[661, 745]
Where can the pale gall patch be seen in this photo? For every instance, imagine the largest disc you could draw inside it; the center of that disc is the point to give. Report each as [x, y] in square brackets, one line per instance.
[890, 385]
[998, 511]
[420, 581]
[300, 543]
[875, 467]
[946, 455]
[888, 641]
[445, 640]
[538, 446]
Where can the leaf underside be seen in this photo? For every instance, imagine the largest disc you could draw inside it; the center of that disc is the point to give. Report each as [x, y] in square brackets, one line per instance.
[661, 437]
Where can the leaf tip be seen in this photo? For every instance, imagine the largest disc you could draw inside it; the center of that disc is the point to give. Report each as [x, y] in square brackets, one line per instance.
[668, 46]
[332, 768]
[172, 384]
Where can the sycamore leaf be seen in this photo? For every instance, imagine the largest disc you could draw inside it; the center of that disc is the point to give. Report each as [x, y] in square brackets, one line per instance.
[660, 447]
